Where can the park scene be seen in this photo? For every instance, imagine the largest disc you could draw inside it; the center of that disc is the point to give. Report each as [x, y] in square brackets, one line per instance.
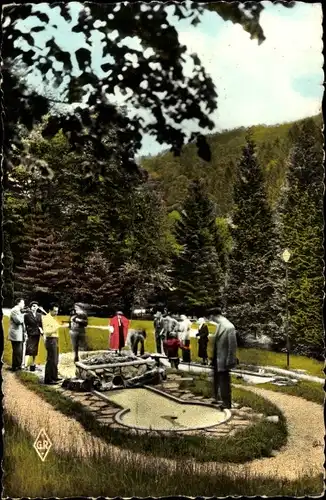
[163, 272]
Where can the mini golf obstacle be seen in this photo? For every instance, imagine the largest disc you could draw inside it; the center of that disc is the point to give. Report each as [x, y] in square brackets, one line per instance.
[127, 382]
[111, 371]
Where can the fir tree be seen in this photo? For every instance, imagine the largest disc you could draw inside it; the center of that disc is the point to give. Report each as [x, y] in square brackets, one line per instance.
[301, 218]
[7, 274]
[47, 274]
[197, 273]
[252, 298]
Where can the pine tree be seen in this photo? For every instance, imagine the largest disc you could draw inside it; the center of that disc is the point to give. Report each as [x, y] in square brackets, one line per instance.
[7, 273]
[301, 218]
[47, 274]
[252, 297]
[197, 270]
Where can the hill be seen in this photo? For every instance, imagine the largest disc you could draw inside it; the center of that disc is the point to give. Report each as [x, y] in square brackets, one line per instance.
[173, 174]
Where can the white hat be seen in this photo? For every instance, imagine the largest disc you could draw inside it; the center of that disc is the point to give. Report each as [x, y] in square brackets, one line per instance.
[200, 321]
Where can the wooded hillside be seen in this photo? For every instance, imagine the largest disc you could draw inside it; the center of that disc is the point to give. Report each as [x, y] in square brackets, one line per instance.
[175, 174]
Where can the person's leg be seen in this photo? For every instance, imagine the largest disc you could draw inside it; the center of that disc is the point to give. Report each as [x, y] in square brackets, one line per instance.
[47, 372]
[216, 384]
[225, 387]
[142, 346]
[75, 344]
[55, 358]
[158, 344]
[14, 362]
[134, 347]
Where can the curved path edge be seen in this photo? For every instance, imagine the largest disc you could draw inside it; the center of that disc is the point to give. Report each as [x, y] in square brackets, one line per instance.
[303, 454]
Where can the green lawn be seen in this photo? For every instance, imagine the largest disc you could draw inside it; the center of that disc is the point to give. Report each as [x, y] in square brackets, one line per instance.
[311, 391]
[97, 339]
[62, 475]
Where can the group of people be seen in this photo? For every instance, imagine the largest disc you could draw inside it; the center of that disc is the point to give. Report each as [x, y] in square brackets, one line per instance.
[172, 334]
[26, 328]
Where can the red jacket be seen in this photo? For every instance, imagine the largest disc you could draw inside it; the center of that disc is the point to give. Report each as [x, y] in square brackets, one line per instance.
[114, 337]
[171, 348]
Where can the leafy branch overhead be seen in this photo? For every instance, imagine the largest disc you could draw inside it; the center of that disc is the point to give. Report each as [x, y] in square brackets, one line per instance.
[150, 77]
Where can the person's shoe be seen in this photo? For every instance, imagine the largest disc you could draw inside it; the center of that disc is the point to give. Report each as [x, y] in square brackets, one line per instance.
[59, 379]
[50, 382]
[32, 368]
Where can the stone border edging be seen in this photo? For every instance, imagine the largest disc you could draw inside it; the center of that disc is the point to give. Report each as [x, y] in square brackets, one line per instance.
[118, 416]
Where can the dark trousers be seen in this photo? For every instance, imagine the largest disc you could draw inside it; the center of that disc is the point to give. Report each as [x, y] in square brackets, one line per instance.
[78, 341]
[136, 342]
[186, 354]
[222, 387]
[17, 354]
[174, 362]
[158, 341]
[51, 367]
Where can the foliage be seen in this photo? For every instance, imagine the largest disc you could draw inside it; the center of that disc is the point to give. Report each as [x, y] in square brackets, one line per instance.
[151, 76]
[47, 274]
[197, 269]
[7, 277]
[252, 303]
[174, 175]
[301, 219]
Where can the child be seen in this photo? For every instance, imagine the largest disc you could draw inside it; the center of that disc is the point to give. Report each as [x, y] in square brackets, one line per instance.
[171, 348]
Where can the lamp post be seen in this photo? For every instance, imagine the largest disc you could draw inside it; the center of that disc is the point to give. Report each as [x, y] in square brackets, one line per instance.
[286, 255]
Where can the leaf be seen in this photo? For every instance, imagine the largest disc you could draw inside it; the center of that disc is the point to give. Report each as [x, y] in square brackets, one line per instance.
[42, 16]
[83, 57]
[37, 29]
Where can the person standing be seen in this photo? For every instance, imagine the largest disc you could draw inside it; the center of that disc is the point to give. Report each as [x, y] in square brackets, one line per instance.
[51, 334]
[203, 340]
[17, 334]
[120, 325]
[184, 336]
[159, 331]
[77, 326]
[170, 325]
[33, 325]
[224, 356]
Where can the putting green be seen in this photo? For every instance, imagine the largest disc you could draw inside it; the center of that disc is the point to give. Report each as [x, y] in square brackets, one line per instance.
[145, 409]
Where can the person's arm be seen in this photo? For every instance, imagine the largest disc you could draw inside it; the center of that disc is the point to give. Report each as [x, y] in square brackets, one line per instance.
[17, 317]
[232, 348]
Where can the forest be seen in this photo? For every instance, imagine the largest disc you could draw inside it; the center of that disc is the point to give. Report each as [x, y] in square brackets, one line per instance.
[175, 231]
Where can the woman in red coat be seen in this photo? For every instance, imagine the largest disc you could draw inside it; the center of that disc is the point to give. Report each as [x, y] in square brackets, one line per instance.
[120, 325]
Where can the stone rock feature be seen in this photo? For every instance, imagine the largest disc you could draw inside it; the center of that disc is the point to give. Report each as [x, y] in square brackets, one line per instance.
[111, 370]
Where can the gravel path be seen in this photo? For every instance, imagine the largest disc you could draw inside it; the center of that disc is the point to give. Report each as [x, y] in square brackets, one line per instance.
[304, 452]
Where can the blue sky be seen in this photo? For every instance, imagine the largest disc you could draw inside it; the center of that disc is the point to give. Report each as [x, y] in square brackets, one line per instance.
[279, 80]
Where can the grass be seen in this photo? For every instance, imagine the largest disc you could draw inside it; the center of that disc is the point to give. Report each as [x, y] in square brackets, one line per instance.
[97, 339]
[62, 475]
[311, 391]
[253, 442]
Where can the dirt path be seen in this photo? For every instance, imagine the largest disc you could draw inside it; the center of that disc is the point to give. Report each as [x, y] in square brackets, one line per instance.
[304, 452]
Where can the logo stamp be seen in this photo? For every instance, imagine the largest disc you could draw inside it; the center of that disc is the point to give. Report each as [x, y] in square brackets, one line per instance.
[42, 444]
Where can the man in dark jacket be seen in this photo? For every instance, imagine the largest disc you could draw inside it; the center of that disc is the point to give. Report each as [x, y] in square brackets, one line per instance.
[77, 325]
[224, 356]
[33, 325]
[159, 331]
